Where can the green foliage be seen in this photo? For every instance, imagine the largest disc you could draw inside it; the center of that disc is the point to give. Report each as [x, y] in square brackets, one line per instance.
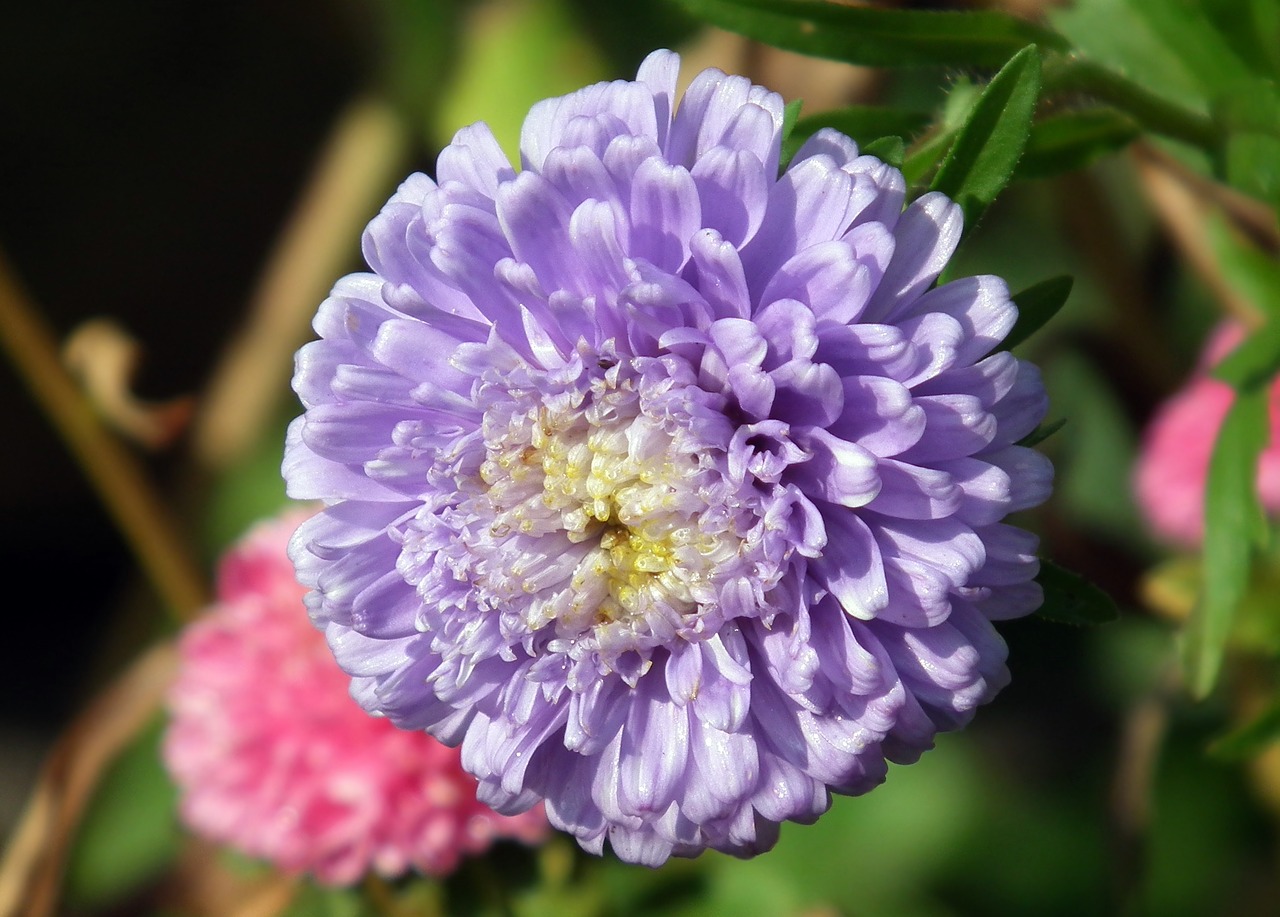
[130, 831]
[864, 123]
[1255, 362]
[1132, 37]
[887, 149]
[987, 147]
[790, 116]
[877, 37]
[1071, 599]
[1252, 738]
[1251, 274]
[419, 40]
[902, 833]
[517, 53]
[1092, 489]
[318, 901]
[1036, 305]
[1042, 432]
[1233, 525]
[1074, 139]
[1250, 158]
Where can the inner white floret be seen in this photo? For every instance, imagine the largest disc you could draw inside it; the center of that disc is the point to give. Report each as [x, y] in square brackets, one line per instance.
[592, 517]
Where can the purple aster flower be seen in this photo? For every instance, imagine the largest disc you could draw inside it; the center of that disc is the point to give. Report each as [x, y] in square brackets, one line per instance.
[665, 484]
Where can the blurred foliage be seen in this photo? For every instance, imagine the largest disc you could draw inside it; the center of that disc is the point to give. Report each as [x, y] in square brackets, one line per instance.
[130, 832]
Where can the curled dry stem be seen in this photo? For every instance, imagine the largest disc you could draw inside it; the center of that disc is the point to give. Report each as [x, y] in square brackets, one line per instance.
[113, 470]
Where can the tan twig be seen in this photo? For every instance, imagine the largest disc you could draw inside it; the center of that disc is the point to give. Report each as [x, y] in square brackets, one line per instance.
[31, 872]
[1184, 203]
[358, 163]
[1253, 217]
[113, 471]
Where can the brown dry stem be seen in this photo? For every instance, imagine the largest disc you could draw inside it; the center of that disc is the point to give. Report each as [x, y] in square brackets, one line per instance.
[1184, 202]
[31, 872]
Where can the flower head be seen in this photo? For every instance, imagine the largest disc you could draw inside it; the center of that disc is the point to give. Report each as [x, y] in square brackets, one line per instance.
[273, 757]
[664, 484]
[1173, 464]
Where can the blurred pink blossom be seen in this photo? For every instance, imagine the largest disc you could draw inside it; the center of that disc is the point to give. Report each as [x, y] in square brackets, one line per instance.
[272, 757]
[1173, 464]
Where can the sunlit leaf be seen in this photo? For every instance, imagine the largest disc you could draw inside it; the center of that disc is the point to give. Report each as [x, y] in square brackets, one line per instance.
[1073, 140]
[1170, 49]
[986, 149]
[887, 149]
[790, 117]
[1036, 305]
[1234, 523]
[1071, 599]
[877, 37]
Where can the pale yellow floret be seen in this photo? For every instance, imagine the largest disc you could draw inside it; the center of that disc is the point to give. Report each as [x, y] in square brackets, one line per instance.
[575, 470]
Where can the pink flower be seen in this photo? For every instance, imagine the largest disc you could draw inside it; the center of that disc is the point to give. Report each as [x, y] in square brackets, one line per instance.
[1174, 462]
[273, 757]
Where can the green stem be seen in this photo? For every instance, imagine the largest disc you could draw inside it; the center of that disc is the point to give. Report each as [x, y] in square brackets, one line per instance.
[1074, 74]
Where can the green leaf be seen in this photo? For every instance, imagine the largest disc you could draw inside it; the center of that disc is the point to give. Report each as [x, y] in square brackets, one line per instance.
[877, 37]
[1073, 140]
[1251, 163]
[1251, 738]
[1255, 362]
[986, 149]
[924, 158]
[1249, 116]
[1036, 305]
[1265, 25]
[890, 150]
[1168, 48]
[863, 123]
[1184, 28]
[1252, 274]
[1042, 432]
[1233, 524]
[130, 831]
[790, 117]
[1071, 599]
